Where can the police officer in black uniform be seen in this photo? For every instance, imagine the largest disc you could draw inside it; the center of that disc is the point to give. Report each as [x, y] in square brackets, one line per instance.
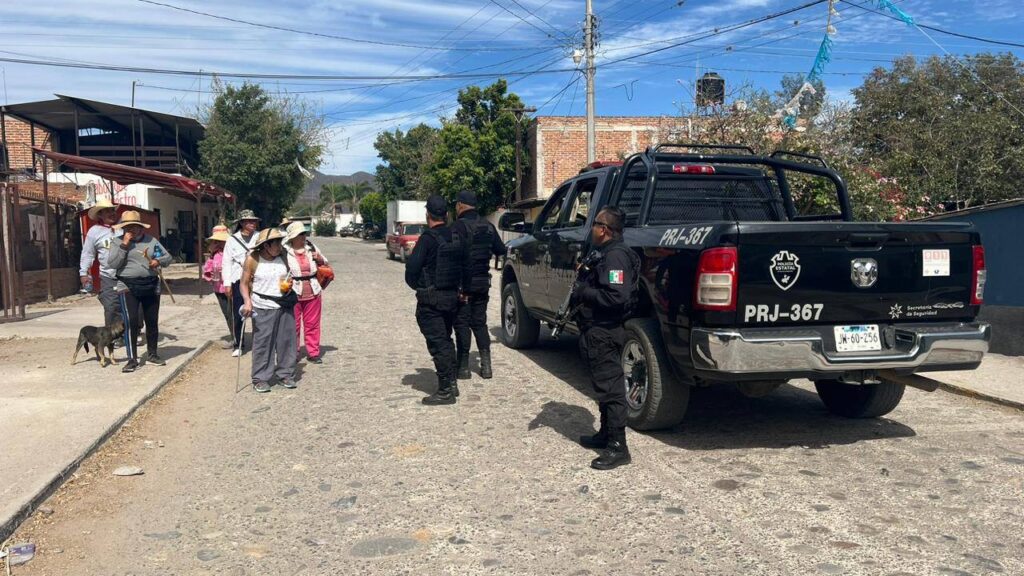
[434, 270]
[606, 295]
[481, 242]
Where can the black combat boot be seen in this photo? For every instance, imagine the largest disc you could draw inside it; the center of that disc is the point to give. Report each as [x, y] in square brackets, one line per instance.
[485, 365]
[464, 366]
[444, 394]
[615, 454]
[598, 441]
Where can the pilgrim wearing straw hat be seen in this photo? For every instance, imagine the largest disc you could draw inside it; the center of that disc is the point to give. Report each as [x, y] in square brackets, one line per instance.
[95, 248]
[236, 250]
[213, 273]
[136, 260]
[303, 262]
[270, 301]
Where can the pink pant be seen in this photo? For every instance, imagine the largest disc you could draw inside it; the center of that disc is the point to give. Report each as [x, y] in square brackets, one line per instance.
[307, 312]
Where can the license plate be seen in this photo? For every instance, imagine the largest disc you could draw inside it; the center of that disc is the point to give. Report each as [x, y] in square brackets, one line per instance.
[857, 338]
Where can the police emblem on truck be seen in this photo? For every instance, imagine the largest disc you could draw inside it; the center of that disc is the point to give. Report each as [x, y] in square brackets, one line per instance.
[785, 269]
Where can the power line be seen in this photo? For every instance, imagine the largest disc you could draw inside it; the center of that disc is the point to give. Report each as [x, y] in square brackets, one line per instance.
[525, 21]
[330, 36]
[258, 76]
[535, 15]
[939, 30]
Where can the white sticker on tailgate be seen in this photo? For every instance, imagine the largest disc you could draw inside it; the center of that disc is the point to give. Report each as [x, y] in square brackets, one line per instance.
[936, 262]
[857, 338]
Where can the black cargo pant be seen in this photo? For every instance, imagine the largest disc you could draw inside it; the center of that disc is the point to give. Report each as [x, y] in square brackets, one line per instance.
[472, 319]
[602, 349]
[136, 309]
[436, 318]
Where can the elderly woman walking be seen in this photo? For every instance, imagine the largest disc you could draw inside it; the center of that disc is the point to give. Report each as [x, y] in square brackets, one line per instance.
[269, 299]
[136, 261]
[236, 250]
[213, 272]
[303, 260]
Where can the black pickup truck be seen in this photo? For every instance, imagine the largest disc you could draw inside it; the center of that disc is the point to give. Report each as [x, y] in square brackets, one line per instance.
[739, 284]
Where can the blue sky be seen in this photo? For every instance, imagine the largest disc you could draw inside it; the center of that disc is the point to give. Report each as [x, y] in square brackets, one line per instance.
[482, 36]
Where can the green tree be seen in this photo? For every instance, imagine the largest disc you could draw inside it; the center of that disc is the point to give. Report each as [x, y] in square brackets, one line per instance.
[476, 149]
[407, 158]
[373, 208]
[944, 132]
[253, 141]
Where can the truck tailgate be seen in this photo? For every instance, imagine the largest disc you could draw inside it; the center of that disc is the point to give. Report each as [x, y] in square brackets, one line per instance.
[853, 273]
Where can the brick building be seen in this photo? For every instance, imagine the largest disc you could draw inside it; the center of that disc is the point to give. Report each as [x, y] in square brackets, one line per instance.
[557, 145]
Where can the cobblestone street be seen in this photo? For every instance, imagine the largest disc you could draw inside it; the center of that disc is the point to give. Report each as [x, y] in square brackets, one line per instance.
[351, 474]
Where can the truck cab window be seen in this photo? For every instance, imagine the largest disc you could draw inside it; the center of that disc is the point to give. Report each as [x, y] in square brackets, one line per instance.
[579, 208]
[549, 219]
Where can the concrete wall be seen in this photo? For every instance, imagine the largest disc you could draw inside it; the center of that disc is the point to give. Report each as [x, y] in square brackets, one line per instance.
[1007, 329]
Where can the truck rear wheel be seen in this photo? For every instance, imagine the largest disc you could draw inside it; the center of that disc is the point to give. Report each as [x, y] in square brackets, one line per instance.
[653, 395]
[518, 329]
[859, 400]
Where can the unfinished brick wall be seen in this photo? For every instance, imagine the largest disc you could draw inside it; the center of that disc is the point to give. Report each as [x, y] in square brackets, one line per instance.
[558, 145]
[19, 141]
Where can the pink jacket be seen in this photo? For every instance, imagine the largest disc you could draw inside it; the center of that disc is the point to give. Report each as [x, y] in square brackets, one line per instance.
[212, 272]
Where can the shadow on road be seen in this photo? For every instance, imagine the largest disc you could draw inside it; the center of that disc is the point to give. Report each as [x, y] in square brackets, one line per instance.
[567, 419]
[423, 380]
[718, 418]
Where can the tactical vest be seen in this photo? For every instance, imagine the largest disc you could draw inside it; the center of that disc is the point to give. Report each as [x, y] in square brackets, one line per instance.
[446, 272]
[481, 234]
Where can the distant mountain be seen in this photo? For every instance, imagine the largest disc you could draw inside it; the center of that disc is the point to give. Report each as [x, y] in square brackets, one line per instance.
[312, 191]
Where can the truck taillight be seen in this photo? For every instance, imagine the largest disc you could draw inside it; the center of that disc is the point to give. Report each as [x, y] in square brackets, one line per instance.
[692, 169]
[717, 280]
[978, 274]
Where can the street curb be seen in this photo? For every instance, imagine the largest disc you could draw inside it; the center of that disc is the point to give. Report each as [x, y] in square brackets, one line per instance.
[10, 525]
[968, 393]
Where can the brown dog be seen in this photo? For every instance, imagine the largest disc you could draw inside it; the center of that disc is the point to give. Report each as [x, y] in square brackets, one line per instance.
[102, 340]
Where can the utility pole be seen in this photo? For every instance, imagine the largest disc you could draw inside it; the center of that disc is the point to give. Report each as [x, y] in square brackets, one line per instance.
[588, 41]
[519, 145]
[133, 92]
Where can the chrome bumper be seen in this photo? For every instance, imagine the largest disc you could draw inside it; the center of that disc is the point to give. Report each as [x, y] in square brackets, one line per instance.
[803, 350]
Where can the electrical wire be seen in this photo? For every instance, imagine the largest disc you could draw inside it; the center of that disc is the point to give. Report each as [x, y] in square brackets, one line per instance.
[329, 36]
[936, 29]
[535, 15]
[525, 21]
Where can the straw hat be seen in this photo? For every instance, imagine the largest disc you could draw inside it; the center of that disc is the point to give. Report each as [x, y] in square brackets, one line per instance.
[267, 235]
[246, 215]
[220, 233]
[129, 218]
[103, 204]
[294, 230]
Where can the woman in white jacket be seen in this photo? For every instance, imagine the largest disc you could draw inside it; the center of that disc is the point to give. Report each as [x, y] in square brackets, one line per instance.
[303, 259]
[236, 250]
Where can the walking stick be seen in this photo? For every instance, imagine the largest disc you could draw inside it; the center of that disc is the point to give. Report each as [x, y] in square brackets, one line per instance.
[160, 273]
[238, 369]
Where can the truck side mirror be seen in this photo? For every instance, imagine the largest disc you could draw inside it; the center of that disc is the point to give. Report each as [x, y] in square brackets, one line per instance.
[514, 222]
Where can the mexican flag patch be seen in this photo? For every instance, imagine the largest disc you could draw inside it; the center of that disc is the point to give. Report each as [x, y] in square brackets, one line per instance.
[615, 277]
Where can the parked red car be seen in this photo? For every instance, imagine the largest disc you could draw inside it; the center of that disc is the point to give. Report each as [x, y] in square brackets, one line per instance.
[403, 239]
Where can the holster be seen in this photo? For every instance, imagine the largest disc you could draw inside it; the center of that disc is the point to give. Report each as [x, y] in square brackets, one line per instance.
[443, 300]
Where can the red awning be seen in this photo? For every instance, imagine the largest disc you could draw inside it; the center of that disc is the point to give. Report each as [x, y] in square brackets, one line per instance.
[131, 175]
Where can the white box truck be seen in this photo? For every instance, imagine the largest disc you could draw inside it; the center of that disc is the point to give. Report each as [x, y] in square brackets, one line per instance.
[406, 212]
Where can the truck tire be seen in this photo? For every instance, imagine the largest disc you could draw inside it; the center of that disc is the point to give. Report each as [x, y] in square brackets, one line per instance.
[391, 255]
[519, 330]
[654, 397]
[859, 400]
[402, 257]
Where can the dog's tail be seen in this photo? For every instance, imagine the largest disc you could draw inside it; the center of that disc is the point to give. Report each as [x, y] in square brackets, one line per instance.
[81, 342]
